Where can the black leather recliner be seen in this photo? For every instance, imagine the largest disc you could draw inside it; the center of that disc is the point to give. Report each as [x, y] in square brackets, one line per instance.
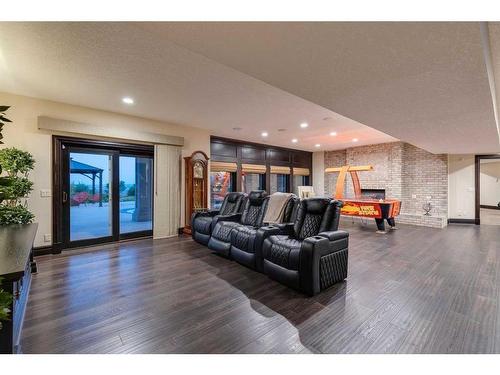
[310, 255]
[252, 216]
[202, 223]
[244, 238]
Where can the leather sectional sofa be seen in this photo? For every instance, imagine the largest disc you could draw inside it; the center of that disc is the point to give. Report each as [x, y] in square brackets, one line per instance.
[308, 253]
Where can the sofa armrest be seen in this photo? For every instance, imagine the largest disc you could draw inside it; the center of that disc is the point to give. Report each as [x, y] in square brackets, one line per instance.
[232, 217]
[334, 235]
[273, 230]
[312, 250]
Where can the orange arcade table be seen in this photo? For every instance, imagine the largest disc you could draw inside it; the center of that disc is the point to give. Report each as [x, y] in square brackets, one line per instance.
[379, 209]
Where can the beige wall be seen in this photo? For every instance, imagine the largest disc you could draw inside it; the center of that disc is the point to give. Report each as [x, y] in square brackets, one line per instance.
[24, 134]
[461, 190]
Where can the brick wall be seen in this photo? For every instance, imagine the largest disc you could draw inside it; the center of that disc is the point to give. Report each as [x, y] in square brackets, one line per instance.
[406, 172]
[425, 179]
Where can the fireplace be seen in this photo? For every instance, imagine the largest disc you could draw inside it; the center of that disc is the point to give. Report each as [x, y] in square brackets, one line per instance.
[373, 193]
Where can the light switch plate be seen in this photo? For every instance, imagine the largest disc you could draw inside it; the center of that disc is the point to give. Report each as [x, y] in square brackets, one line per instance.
[414, 196]
[45, 193]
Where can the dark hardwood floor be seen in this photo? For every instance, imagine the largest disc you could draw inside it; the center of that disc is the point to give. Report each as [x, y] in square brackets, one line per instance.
[415, 290]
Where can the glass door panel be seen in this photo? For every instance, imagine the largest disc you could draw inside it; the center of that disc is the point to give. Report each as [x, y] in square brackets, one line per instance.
[136, 194]
[90, 195]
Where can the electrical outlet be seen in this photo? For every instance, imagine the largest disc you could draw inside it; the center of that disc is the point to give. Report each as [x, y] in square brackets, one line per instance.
[47, 238]
[429, 197]
[414, 196]
[45, 193]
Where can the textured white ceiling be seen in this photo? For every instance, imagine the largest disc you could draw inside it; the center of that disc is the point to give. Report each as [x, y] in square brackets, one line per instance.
[424, 83]
[96, 64]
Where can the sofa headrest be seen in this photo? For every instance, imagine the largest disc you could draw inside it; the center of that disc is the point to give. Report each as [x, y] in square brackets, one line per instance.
[233, 197]
[257, 196]
[315, 205]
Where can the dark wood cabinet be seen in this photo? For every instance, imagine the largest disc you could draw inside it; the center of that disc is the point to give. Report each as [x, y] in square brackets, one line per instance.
[16, 266]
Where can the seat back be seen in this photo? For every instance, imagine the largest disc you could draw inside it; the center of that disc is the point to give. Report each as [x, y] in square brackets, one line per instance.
[232, 203]
[255, 208]
[316, 215]
[291, 209]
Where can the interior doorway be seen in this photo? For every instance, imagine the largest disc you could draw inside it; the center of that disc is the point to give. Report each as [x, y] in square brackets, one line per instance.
[103, 192]
[488, 189]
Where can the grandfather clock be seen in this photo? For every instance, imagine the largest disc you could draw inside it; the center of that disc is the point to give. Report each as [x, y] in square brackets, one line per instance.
[196, 185]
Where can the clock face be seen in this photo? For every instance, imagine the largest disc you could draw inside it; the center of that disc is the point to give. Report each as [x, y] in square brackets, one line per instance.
[198, 170]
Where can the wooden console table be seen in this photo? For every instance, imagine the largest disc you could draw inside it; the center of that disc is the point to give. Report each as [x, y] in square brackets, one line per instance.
[16, 266]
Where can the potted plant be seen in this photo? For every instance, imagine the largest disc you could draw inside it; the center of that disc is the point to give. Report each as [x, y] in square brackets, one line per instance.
[15, 187]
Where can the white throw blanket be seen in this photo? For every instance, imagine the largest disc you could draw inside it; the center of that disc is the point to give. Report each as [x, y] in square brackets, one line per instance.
[276, 207]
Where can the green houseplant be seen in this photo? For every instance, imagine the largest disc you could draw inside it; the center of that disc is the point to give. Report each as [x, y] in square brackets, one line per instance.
[15, 186]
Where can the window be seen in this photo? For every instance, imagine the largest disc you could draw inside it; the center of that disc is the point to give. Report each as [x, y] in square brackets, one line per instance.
[299, 181]
[222, 181]
[253, 181]
[300, 178]
[253, 177]
[280, 179]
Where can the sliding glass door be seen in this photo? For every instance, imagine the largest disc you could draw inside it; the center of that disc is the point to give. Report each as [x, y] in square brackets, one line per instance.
[136, 194]
[90, 196]
[105, 189]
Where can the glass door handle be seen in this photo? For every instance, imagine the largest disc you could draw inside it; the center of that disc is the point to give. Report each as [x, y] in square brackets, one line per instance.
[64, 197]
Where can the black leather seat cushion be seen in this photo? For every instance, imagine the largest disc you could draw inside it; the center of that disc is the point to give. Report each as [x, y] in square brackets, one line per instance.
[243, 237]
[222, 230]
[282, 250]
[203, 224]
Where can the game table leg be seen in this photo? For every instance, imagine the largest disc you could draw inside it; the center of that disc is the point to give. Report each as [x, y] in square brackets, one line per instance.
[391, 222]
[380, 225]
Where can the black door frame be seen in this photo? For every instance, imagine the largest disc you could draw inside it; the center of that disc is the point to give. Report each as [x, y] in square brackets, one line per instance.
[477, 178]
[60, 184]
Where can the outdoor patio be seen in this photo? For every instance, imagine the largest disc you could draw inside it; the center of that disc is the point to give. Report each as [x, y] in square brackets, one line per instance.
[91, 221]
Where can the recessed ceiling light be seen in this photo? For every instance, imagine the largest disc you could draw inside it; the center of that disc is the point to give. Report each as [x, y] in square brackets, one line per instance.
[304, 125]
[355, 139]
[317, 145]
[295, 140]
[236, 128]
[128, 100]
[333, 134]
[264, 134]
